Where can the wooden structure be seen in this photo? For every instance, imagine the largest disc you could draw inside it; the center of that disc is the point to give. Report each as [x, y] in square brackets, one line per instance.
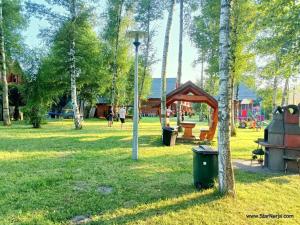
[14, 79]
[189, 92]
[188, 129]
[102, 107]
[151, 106]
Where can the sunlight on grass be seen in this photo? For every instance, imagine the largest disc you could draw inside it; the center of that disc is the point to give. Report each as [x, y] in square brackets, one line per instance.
[32, 155]
[51, 175]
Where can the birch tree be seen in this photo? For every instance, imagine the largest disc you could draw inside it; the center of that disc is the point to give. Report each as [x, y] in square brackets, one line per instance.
[285, 93]
[6, 116]
[226, 176]
[147, 12]
[164, 63]
[74, 73]
[204, 34]
[115, 66]
[12, 22]
[277, 24]
[70, 11]
[179, 71]
[118, 18]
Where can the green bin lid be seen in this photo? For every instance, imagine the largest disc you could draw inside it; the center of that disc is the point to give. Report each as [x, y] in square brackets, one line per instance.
[205, 150]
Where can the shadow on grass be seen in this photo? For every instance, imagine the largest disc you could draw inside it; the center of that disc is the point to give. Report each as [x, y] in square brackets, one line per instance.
[149, 212]
[247, 177]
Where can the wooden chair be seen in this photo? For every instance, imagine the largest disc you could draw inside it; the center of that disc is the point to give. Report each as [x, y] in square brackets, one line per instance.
[203, 134]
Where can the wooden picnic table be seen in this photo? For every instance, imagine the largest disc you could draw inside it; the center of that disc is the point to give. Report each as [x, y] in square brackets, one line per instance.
[188, 129]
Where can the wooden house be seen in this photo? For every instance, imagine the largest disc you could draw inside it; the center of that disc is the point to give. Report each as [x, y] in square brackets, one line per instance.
[151, 106]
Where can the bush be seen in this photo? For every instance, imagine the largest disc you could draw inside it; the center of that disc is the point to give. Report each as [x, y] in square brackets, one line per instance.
[35, 115]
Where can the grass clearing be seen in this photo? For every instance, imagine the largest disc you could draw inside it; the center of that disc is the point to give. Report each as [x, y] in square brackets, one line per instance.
[53, 174]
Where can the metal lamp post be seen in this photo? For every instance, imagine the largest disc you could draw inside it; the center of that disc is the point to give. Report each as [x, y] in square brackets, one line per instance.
[136, 35]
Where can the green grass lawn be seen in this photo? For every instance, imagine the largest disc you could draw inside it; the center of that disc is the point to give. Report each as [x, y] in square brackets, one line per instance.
[51, 175]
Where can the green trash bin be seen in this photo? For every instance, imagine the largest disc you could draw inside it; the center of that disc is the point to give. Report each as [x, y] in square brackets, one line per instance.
[205, 166]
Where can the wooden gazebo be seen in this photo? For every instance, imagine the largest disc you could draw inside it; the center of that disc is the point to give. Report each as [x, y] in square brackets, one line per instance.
[189, 92]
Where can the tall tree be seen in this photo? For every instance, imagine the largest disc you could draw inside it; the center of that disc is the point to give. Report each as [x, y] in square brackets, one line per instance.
[12, 21]
[277, 24]
[147, 12]
[6, 116]
[118, 17]
[73, 69]
[285, 93]
[179, 71]
[115, 70]
[90, 61]
[164, 63]
[60, 13]
[204, 34]
[226, 176]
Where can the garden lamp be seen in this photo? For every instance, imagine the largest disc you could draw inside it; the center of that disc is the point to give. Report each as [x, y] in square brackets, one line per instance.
[136, 35]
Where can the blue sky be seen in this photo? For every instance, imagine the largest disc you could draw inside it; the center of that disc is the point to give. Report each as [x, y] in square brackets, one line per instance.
[189, 51]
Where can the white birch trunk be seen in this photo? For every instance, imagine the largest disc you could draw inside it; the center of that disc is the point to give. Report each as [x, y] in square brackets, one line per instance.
[73, 71]
[234, 43]
[226, 176]
[275, 84]
[179, 72]
[284, 100]
[202, 70]
[231, 107]
[6, 117]
[146, 54]
[115, 69]
[164, 64]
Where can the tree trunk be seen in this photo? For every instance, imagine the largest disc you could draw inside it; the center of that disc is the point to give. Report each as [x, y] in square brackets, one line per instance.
[237, 100]
[202, 70]
[226, 176]
[233, 65]
[179, 72]
[146, 54]
[6, 117]
[73, 70]
[284, 100]
[164, 65]
[275, 84]
[232, 114]
[115, 69]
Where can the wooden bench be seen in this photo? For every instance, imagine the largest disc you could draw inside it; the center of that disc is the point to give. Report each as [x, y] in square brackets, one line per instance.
[286, 159]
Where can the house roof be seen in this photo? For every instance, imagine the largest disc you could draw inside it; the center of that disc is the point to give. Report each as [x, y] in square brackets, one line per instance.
[245, 92]
[156, 87]
[102, 100]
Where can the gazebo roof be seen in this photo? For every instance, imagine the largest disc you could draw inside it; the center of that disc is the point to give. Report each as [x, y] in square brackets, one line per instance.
[190, 92]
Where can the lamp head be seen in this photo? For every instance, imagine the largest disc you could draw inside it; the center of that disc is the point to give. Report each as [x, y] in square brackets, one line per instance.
[136, 34]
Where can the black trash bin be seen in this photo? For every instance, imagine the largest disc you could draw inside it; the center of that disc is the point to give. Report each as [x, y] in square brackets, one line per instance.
[169, 136]
[205, 166]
